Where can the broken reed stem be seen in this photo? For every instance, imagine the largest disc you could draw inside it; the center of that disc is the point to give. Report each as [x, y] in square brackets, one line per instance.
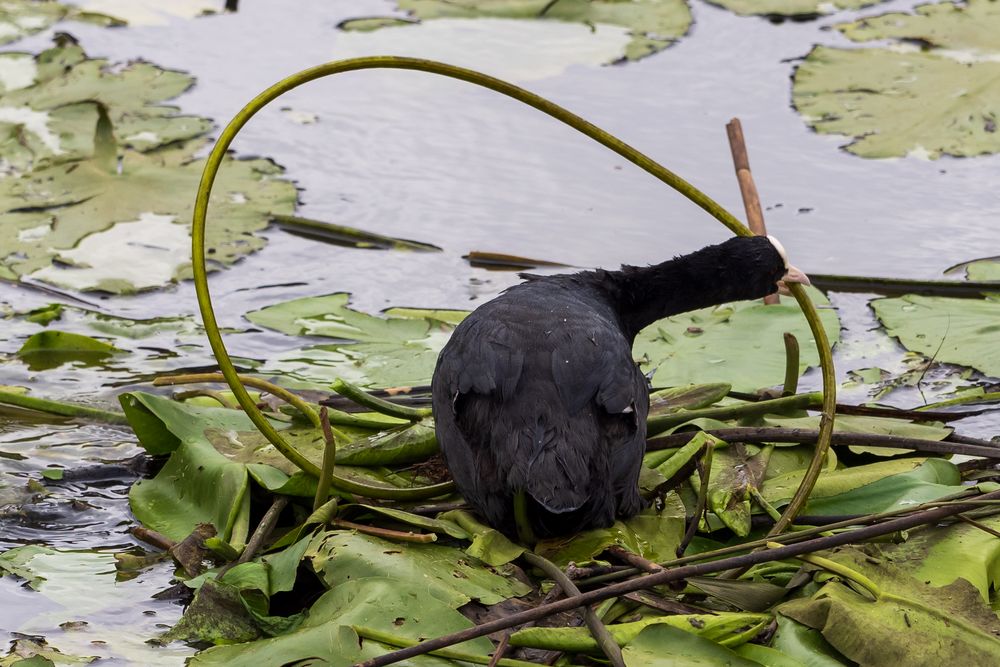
[873, 411]
[396, 535]
[329, 460]
[791, 384]
[704, 471]
[383, 637]
[264, 529]
[763, 434]
[918, 518]
[748, 189]
[635, 560]
[989, 397]
[609, 647]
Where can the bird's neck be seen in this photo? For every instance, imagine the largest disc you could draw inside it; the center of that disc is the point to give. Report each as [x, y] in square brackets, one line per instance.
[708, 277]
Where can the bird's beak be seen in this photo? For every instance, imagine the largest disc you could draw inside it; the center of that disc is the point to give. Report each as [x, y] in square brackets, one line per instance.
[792, 275]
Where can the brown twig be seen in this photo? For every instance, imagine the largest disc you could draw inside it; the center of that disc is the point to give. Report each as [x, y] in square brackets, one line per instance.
[705, 471]
[600, 632]
[386, 533]
[748, 189]
[665, 605]
[635, 560]
[650, 580]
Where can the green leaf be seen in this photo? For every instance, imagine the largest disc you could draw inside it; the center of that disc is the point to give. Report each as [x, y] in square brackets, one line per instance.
[398, 446]
[689, 397]
[488, 544]
[984, 270]
[972, 25]
[796, 8]
[908, 618]
[17, 562]
[659, 645]
[893, 104]
[803, 644]
[399, 349]
[739, 344]
[447, 573]
[725, 628]
[876, 487]
[956, 331]
[46, 314]
[653, 24]
[653, 534]
[21, 18]
[397, 605]
[197, 485]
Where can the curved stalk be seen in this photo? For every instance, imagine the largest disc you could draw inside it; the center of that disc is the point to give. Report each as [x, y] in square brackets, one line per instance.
[214, 161]
[61, 409]
[376, 404]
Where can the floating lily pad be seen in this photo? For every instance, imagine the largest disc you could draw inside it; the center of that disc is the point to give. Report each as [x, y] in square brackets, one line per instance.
[20, 18]
[740, 344]
[900, 103]
[399, 349]
[57, 112]
[447, 573]
[984, 270]
[112, 166]
[969, 26]
[956, 331]
[154, 12]
[791, 8]
[653, 24]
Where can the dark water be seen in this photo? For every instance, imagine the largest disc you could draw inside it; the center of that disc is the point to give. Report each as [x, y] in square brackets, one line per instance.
[412, 155]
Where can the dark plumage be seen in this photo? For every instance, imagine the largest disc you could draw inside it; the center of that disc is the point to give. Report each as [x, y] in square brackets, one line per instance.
[537, 393]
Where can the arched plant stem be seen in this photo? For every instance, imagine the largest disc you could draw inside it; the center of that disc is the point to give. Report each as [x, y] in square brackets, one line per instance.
[215, 158]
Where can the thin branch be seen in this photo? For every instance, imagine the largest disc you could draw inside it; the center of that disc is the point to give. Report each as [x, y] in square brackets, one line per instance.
[602, 636]
[754, 434]
[396, 535]
[329, 459]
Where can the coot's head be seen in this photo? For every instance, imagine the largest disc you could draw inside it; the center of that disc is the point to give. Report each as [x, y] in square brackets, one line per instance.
[791, 274]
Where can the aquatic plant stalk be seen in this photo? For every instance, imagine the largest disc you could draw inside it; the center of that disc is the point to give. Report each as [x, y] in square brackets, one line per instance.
[61, 409]
[364, 399]
[329, 460]
[791, 384]
[219, 151]
[660, 423]
[452, 654]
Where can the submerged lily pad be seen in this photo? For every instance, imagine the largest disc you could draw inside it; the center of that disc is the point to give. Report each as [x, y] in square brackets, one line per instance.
[956, 331]
[653, 24]
[795, 8]
[894, 103]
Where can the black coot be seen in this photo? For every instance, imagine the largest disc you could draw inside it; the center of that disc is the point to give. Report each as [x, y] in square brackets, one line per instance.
[538, 402]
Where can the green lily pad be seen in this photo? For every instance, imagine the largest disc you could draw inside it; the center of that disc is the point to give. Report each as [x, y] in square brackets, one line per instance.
[390, 604]
[60, 108]
[107, 162]
[956, 331]
[396, 350]
[796, 8]
[653, 24]
[910, 621]
[894, 104]
[662, 644]
[21, 18]
[654, 535]
[971, 25]
[447, 573]
[739, 344]
[986, 270]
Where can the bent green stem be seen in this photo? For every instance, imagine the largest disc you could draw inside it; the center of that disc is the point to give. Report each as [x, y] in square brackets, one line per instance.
[214, 161]
[364, 399]
[61, 409]
[659, 424]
